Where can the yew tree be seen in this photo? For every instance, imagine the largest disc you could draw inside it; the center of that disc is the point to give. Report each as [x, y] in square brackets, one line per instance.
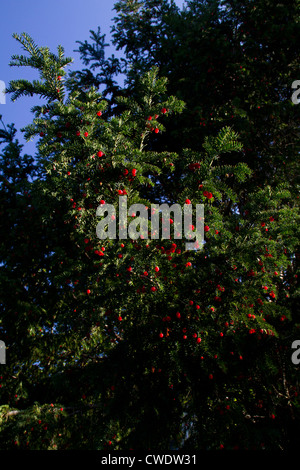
[141, 344]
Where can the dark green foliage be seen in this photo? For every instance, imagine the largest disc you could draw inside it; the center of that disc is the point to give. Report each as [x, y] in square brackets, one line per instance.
[104, 350]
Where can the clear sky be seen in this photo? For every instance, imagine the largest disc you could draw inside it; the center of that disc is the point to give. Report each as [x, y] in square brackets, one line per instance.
[50, 23]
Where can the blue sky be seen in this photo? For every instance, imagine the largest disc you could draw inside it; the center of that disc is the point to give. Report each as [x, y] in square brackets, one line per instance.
[50, 23]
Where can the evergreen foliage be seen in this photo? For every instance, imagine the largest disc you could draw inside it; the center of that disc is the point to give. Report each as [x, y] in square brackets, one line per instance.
[143, 344]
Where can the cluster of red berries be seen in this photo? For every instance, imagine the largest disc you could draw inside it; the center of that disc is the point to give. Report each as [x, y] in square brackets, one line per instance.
[194, 166]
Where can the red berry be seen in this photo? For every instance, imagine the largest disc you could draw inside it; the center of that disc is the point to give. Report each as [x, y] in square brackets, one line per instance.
[156, 269]
[100, 154]
[88, 291]
[187, 201]
[156, 130]
[99, 113]
[161, 335]
[133, 172]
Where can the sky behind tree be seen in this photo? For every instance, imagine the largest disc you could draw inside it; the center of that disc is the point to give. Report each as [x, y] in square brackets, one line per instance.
[49, 23]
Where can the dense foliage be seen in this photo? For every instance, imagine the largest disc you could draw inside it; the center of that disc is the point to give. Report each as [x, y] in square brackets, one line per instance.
[140, 343]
